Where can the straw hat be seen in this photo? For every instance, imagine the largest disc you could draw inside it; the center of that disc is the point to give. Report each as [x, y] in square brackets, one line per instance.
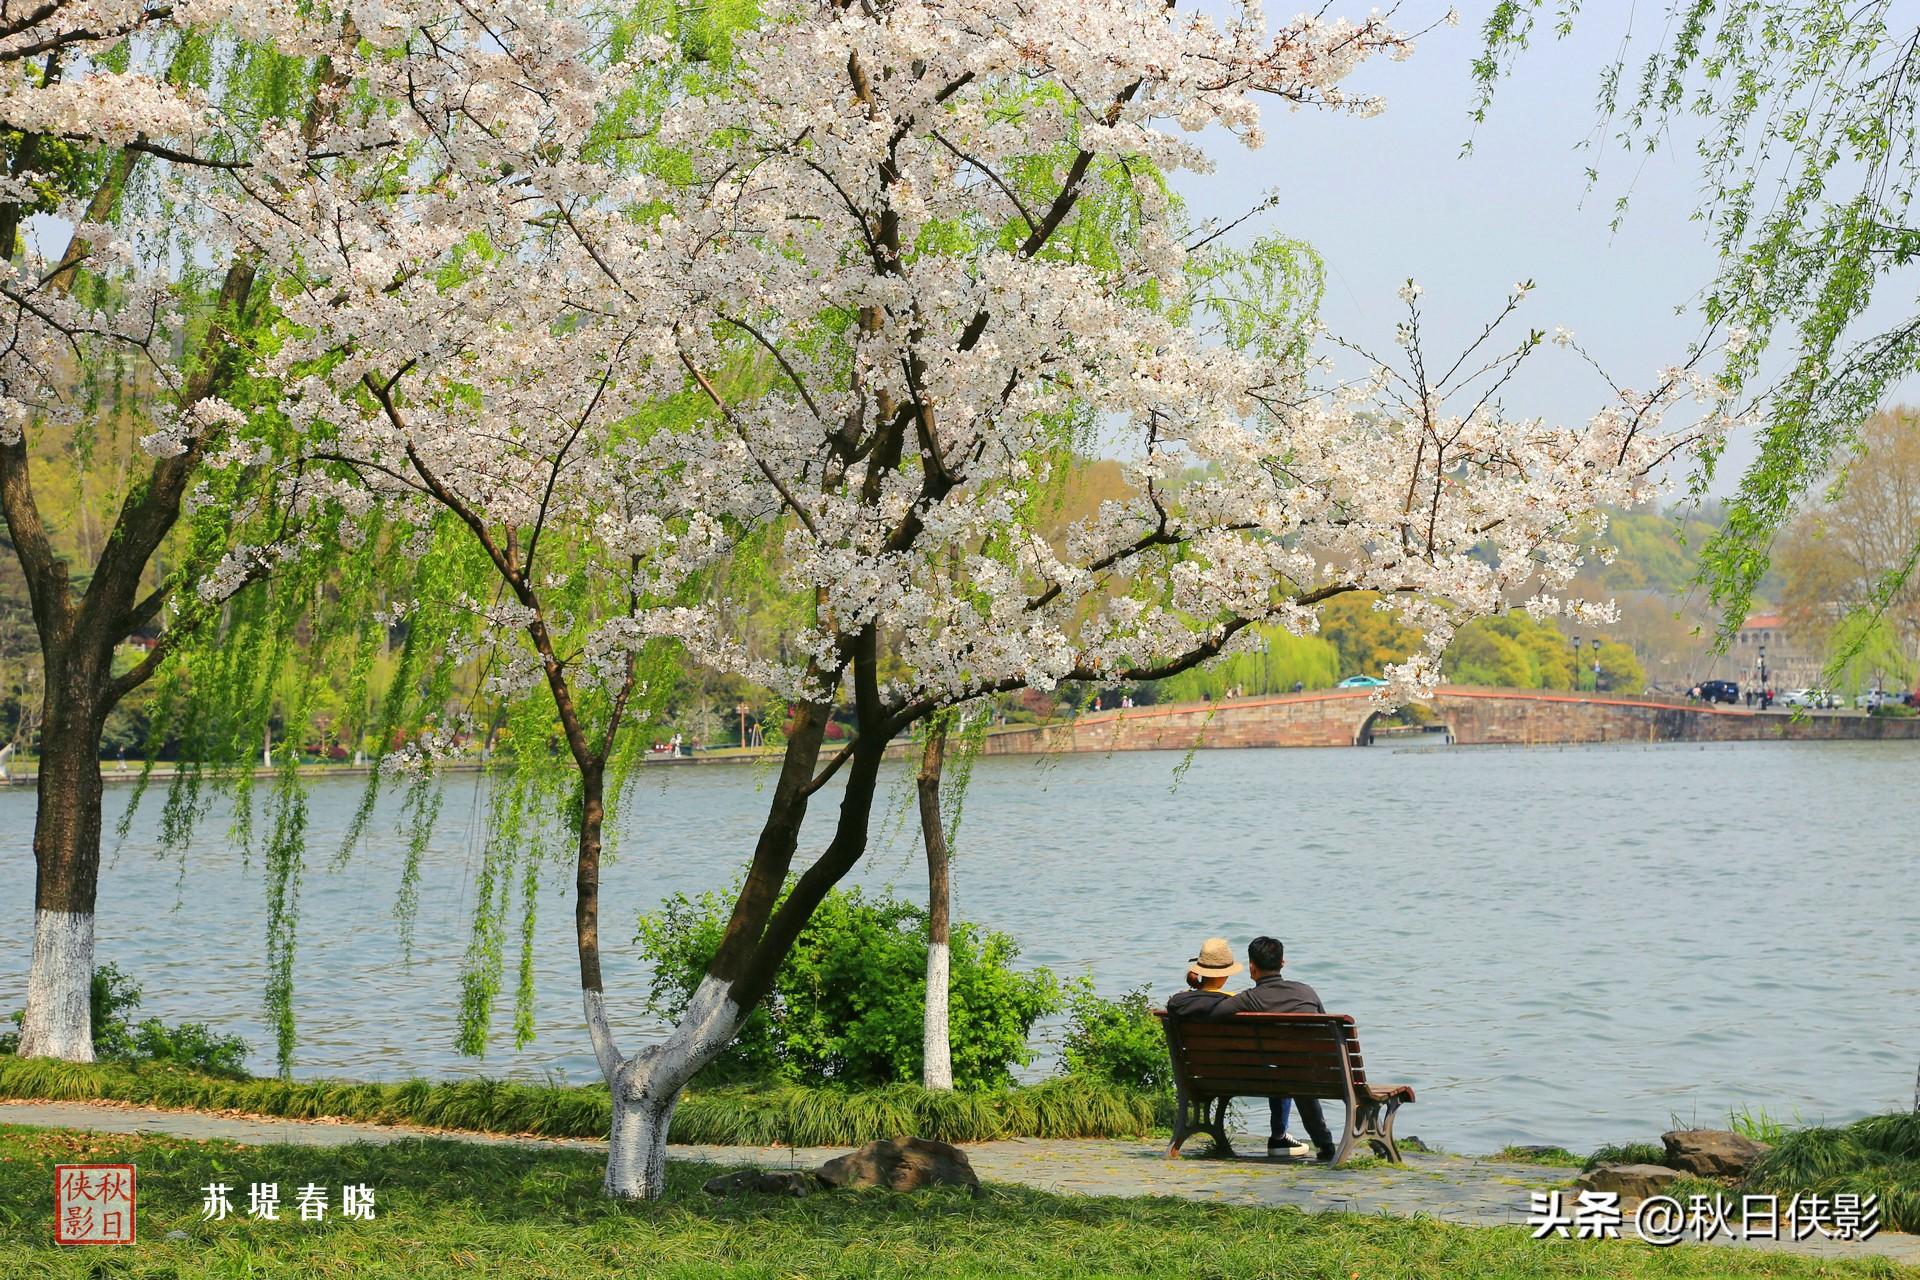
[1215, 959]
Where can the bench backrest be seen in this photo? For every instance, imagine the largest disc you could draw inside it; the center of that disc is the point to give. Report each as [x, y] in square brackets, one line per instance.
[1308, 1055]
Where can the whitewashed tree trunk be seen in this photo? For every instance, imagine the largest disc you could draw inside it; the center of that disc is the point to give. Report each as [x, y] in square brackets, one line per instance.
[66, 851]
[937, 1044]
[59, 1014]
[646, 1088]
[637, 1146]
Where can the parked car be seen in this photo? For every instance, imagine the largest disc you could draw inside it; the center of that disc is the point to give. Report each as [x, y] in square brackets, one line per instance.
[1361, 682]
[1822, 699]
[1874, 699]
[1719, 691]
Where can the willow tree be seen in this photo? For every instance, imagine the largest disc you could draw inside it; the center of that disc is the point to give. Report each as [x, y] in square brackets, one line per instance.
[121, 128]
[461, 372]
[1802, 119]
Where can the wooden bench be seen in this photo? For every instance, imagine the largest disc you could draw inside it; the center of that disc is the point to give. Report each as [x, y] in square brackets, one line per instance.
[1271, 1055]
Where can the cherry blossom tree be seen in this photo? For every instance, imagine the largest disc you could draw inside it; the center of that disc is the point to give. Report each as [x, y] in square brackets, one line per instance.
[846, 315]
[463, 372]
[871, 180]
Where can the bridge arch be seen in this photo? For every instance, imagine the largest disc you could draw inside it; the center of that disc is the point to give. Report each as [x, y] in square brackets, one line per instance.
[1437, 732]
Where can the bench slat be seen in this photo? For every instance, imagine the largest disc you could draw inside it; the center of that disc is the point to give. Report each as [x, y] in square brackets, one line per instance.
[1268, 1086]
[1268, 1081]
[1250, 1039]
[1302, 1069]
[1264, 1058]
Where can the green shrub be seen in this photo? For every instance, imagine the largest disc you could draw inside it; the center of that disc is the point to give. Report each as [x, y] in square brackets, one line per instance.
[847, 1007]
[1115, 1041]
[1877, 1156]
[1543, 1155]
[190, 1044]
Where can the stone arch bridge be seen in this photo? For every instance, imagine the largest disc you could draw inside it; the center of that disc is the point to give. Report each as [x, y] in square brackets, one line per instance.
[1461, 713]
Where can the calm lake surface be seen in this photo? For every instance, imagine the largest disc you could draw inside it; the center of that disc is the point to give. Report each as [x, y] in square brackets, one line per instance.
[1574, 945]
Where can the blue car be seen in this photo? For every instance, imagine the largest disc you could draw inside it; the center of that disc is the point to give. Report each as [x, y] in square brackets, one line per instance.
[1360, 682]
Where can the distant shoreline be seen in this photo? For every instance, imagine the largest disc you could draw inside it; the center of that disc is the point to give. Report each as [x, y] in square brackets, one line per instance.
[1468, 716]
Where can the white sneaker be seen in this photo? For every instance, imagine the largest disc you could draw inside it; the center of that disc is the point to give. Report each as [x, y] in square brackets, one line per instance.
[1287, 1147]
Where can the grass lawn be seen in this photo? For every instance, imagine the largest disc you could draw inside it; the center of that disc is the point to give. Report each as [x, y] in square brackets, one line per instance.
[460, 1209]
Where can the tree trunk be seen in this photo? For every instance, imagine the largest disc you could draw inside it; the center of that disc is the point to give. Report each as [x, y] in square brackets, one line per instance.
[637, 1147]
[66, 850]
[646, 1088]
[937, 1048]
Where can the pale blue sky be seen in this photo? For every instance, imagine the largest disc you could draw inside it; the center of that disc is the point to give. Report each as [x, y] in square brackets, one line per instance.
[1391, 197]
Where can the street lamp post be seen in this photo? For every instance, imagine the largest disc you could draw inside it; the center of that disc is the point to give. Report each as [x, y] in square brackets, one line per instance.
[1576, 664]
[1763, 677]
[1595, 642]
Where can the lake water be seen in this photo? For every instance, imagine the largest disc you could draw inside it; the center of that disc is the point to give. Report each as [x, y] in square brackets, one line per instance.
[1574, 945]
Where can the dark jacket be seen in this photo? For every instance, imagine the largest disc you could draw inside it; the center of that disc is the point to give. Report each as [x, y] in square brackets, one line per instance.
[1273, 994]
[1194, 1004]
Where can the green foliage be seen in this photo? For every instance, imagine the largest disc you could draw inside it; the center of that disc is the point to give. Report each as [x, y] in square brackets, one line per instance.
[1115, 1041]
[1628, 1153]
[847, 1006]
[762, 1115]
[1515, 651]
[1757, 1124]
[190, 1044]
[1264, 298]
[1281, 660]
[111, 996]
[1551, 1156]
[1366, 632]
[1481, 654]
[1879, 1155]
[492, 1106]
[1864, 650]
[799, 1116]
[1621, 670]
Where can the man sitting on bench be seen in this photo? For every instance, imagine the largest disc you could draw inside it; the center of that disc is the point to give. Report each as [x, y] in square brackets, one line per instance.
[1271, 993]
[1207, 975]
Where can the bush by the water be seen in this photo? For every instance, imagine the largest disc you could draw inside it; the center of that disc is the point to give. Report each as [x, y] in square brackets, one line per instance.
[189, 1044]
[1116, 1042]
[1878, 1156]
[848, 1005]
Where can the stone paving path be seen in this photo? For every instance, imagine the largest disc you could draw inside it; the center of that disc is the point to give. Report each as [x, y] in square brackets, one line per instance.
[1462, 1189]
